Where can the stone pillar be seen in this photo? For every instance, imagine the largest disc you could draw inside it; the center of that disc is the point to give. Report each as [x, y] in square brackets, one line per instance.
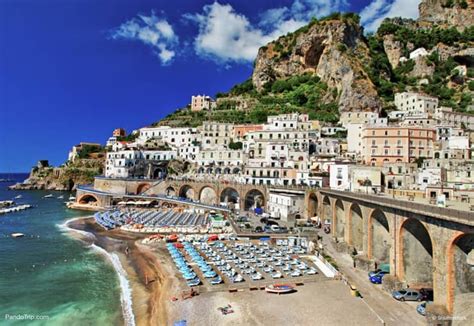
[366, 211]
[369, 233]
[348, 226]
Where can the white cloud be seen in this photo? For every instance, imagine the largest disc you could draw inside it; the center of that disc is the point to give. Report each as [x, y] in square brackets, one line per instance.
[151, 30]
[228, 36]
[374, 13]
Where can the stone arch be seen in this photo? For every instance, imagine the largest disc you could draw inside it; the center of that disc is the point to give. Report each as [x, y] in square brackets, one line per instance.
[229, 195]
[415, 261]
[379, 237]
[327, 210]
[235, 170]
[339, 224]
[208, 195]
[186, 191]
[313, 205]
[254, 198]
[460, 271]
[356, 227]
[170, 191]
[142, 187]
[89, 199]
[159, 173]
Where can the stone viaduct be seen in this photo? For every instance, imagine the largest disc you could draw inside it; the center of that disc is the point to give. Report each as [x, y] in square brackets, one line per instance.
[425, 245]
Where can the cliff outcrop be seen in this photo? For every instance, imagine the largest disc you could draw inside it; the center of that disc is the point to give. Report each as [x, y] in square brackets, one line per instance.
[63, 178]
[334, 50]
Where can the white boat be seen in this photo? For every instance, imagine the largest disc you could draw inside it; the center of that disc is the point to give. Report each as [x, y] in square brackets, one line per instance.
[18, 197]
[277, 275]
[72, 198]
[237, 278]
[17, 235]
[279, 288]
[48, 196]
[61, 197]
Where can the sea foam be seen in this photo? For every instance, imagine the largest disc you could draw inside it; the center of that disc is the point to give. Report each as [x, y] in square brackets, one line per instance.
[125, 289]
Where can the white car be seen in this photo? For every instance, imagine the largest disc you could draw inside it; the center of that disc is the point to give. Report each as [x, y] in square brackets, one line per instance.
[268, 269]
[257, 276]
[295, 273]
[311, 271]
[287, 268]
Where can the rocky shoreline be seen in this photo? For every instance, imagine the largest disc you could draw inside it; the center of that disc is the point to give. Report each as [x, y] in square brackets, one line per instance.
[63, 178]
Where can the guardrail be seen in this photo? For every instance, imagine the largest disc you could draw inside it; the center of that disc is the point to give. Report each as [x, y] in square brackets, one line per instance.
[460, 216]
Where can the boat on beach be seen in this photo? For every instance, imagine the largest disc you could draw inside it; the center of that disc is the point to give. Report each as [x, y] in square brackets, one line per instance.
[279, 288]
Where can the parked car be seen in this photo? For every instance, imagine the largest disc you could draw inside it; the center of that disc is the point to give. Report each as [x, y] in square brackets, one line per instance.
[427, 294]
[384, 268]
[421, 308]
[407, 295]
[377, 278]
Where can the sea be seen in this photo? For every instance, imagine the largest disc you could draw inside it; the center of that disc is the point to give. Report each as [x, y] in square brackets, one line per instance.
[48, 277]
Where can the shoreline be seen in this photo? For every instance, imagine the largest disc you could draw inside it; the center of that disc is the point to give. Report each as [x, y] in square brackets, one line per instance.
[144, 272]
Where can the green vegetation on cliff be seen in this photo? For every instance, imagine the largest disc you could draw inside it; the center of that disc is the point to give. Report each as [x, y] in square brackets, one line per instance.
[304, 93]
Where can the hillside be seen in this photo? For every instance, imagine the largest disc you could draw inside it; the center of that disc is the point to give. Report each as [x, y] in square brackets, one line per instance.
[330, 66]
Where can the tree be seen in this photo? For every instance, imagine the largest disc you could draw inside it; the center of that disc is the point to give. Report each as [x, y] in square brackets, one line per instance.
[236, 145]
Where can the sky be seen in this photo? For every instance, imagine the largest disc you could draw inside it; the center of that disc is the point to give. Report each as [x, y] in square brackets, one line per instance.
[74, 70]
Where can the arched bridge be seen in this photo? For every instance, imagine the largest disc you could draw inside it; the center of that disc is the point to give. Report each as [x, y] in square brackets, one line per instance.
[245, 195]
[425, 245]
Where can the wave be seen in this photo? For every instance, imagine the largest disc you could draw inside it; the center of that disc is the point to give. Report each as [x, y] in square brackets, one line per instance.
[125, 289]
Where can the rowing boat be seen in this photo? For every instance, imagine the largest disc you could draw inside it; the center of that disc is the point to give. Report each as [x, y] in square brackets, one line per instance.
[279, 288]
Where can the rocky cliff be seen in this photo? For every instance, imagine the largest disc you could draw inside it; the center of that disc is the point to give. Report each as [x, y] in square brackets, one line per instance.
[64, 178]
[448, 13]
[334, 50]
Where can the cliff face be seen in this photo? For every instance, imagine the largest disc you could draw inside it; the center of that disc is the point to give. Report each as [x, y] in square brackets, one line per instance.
[455, 13]
[335, 50]
[64, 178]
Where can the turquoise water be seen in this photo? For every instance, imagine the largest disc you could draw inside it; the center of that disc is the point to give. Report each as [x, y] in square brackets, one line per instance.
[47, 273]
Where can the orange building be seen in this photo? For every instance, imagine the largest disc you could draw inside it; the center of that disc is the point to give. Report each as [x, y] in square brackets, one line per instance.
[119, 132]
[241, 130]
[396, 144]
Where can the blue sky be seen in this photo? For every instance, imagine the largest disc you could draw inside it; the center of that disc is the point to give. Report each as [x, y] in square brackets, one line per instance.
[73, 70]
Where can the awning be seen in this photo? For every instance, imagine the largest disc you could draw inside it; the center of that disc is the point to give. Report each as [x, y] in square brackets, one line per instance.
[143, 203]
[122, 203]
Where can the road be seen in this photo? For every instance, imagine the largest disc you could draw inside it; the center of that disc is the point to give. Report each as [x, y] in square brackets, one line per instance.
[392, 312]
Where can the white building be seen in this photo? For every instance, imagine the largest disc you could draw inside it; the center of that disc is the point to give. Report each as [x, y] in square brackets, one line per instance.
[119, 164]
[286, 206]
[339, 177]
[220, 161]
[420, 52]
[216, 135]
[174, 137]
[367, 179]
[415, 103]
[429, 177]
[348, 117]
